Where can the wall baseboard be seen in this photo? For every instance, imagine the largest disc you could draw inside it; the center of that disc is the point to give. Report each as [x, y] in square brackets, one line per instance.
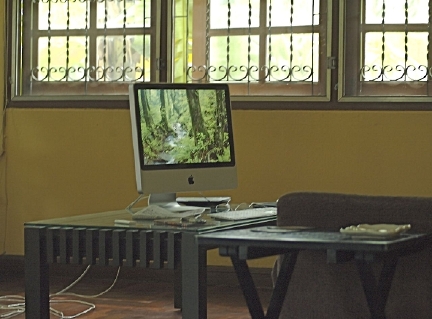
[11, 265]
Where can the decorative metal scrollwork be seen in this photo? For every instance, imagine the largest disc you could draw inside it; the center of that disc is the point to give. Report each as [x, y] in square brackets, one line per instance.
[411, 73]
[65, 1]
[91, 74]
[253, 73]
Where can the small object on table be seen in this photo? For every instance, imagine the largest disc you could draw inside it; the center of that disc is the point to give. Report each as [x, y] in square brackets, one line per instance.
[375, 230]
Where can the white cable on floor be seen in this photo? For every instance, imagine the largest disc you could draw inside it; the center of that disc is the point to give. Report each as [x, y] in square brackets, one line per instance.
[60, 314]
[74, 282]
[64, 293]
[17, 303]
[16, 308]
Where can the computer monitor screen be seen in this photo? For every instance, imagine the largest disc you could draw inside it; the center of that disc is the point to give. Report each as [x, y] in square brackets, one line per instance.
[182, 138]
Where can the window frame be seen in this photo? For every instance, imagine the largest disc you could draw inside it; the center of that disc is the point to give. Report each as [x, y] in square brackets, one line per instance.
[13, 38]
[297, 95]
[336, 30]
[13, 99]
[350, 60]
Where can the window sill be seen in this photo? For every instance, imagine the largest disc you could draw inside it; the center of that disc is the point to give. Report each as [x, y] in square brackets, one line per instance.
[97, 102]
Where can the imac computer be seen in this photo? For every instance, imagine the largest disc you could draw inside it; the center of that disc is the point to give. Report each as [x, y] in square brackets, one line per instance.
[182, 139]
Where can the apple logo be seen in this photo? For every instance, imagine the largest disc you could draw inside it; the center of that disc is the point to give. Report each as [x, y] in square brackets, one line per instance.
[191, 180]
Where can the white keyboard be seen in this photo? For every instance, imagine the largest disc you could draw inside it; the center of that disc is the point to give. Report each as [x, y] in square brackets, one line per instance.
[245, 213]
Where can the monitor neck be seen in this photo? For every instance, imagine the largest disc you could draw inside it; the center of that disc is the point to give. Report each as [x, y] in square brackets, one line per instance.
[166, 200]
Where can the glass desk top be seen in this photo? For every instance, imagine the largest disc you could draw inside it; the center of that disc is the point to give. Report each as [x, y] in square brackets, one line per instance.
[106, 220]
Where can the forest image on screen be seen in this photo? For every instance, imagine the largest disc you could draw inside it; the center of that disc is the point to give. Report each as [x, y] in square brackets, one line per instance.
[184, 126]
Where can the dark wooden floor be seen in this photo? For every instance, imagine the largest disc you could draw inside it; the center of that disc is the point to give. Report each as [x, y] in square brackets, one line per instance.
[139, 294]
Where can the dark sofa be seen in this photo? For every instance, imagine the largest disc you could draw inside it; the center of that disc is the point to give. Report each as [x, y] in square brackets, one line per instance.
[328, 290]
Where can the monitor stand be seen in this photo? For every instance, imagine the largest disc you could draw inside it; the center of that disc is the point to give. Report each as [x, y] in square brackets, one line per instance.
[168, 201]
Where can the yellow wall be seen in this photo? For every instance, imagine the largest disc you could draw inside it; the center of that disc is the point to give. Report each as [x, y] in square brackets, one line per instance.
[2, 158]
[68, 162]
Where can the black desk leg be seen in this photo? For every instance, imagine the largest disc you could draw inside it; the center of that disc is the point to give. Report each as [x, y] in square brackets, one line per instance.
[377, 292]
[279, 292]
[194, 278]
[36, 274]
[281, 285]
[248, 287]
[178, 287]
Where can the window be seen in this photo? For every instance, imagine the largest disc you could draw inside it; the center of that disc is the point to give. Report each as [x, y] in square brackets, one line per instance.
[68, 49]
[78, 47]
[385, 50]
[264, 48]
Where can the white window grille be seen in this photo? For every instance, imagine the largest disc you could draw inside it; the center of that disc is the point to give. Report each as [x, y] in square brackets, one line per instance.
[83, 47]
[386, 49]
[80, 48]
[265, 47]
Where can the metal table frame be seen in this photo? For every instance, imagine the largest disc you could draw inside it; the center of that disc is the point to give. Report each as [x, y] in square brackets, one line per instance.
[69, 241]
[241, 245]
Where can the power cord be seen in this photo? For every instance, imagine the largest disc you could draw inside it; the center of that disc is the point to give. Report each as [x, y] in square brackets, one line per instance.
[16, 303]
[131, 205]
[15, 308]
